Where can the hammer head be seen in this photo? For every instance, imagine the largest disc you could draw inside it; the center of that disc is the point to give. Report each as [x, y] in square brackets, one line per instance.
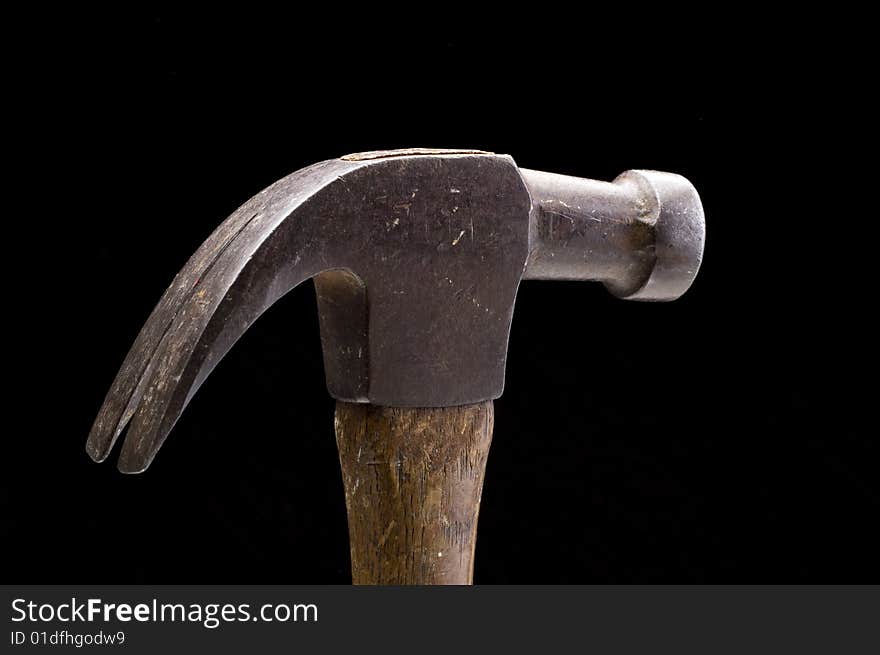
[416, 257]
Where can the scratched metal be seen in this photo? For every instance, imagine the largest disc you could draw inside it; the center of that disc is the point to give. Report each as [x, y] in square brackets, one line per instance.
[416, 257]
[641, 235]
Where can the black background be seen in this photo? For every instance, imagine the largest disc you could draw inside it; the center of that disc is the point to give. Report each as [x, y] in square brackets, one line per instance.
[714, 439]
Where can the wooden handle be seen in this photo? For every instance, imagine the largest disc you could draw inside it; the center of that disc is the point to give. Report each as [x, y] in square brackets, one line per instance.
[413, 479]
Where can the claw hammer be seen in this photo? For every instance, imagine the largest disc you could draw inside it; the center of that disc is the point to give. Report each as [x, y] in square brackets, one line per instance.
[416, 257]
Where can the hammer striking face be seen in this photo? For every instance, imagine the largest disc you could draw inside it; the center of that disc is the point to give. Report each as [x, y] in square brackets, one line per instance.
[416, 256]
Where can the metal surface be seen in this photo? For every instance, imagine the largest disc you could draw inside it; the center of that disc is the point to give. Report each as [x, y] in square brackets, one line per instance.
[641, 235]
[416, 256]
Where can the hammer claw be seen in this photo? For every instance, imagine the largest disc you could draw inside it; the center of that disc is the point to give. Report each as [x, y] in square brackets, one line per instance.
[221, 290]
[125, 393]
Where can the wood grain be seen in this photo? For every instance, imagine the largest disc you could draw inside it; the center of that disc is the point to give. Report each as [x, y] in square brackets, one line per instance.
[413, 479]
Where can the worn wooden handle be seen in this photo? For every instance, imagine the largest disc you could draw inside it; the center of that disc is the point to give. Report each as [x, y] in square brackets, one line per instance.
[413, 479]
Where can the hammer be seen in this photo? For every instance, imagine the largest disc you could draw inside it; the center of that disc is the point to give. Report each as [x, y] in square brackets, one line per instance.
[416, 256]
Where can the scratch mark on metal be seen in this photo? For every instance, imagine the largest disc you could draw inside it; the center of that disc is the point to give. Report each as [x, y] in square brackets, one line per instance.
[572, 218]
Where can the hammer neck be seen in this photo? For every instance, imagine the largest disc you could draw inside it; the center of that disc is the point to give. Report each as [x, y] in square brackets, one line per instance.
[589, 230]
